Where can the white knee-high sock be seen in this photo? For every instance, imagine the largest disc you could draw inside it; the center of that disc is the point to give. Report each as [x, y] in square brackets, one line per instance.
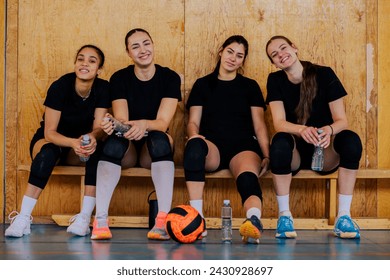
[198, 205]
[28, 204]
[88, 205]
[108, 175]
[163, 174]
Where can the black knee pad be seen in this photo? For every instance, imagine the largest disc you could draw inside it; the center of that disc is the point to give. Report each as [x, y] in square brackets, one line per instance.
[194, 161]
[248, 185]
[349, 146]
[114, 149]
[43, 164]
[281, 152]
[159, 146]
[91, 165]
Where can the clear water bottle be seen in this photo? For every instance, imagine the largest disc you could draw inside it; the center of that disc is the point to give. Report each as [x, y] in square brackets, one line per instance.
[85, 140]
[120, 128]
[226, 230]
[317, 162]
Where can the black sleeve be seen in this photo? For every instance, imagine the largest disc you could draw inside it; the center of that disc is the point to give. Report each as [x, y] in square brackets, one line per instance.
[331, 84]
[55, 98]
[172, 86]
[256, 98]
[273, 89]
[102, 94]
[196, 97]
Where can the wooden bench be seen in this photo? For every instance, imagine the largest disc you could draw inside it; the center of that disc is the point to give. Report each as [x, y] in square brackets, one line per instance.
[331, 198]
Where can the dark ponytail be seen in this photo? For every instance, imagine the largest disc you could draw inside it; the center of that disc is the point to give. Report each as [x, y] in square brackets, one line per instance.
[308, 92]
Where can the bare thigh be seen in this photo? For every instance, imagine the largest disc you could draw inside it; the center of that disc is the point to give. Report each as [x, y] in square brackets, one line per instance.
[130, 157]
[144, 158]
[331, 158]
[245, 161]
[213, 157]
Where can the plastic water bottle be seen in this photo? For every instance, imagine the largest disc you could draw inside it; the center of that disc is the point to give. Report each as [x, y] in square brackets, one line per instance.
[317, 162]
[121, 128]
[85, 140]
[226, 230]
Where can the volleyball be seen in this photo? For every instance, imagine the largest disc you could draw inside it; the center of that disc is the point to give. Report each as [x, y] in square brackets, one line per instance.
[184, 224]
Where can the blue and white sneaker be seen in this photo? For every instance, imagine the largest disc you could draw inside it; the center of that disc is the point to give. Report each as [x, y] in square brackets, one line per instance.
[285, 228]
[251, 230]
[345, 227]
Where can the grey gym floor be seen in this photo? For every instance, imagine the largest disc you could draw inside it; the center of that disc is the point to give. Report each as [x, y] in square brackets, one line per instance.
[51, 242]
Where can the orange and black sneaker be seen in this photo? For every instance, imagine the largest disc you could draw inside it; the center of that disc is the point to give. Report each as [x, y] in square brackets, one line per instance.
[251, 230]
[158, 232]
[100, 233]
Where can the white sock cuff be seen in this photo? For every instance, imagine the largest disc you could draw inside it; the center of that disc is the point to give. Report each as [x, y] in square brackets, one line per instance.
[28, 204]
[88, 205]
[253, 211]
[283, 202]
[198, 205]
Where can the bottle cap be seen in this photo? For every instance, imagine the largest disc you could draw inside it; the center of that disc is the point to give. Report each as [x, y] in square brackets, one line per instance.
[226, 201]
[85, 137]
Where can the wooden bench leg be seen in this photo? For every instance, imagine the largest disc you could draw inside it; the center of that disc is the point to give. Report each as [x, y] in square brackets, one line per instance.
[332, 200]
[82, 192]
[63, 219]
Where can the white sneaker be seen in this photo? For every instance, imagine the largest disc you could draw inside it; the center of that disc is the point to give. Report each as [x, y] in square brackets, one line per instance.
[79, 224]
[20, 225]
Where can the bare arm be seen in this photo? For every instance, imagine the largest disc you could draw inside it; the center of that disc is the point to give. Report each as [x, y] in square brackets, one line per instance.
[340, 122]
[165, 114]
[262, 136]
[194, 118]
[52, 119]
[309, 134]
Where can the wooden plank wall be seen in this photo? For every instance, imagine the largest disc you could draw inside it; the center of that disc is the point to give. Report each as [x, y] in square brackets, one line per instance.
[2, 80]
[384, 101]
[43, 37]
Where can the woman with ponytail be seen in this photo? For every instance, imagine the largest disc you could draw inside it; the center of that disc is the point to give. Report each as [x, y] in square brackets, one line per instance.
[307, 107]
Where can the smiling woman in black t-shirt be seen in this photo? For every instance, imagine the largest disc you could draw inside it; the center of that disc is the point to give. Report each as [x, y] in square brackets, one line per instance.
[145, 96]
[306, 102]
[74, 106]
[226, 129]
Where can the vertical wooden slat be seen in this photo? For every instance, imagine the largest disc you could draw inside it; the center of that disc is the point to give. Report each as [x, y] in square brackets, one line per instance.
[384, 104]
[2, 83]
[332, 200]
[11, 93]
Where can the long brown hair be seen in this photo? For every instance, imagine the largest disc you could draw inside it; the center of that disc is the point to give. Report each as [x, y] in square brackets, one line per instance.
[309, 87]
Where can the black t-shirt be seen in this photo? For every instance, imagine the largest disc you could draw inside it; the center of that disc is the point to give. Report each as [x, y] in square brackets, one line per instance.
[77, 115]
[279, 88]
[144, 97]
[226, 112]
